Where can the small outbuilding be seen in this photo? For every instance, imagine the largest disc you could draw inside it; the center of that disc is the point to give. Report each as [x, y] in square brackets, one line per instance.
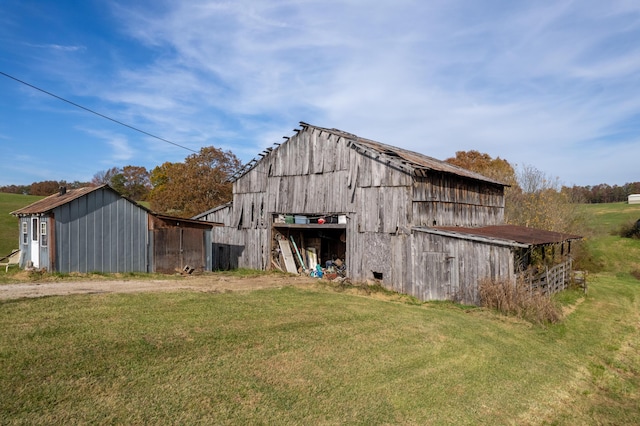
[634, 199]
[95, 229]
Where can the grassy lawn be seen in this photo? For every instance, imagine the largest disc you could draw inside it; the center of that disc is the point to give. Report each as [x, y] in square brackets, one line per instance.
[294, 356]
[325, 356]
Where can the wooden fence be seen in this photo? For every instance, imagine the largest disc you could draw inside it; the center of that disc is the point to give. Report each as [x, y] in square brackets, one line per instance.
[554, 279]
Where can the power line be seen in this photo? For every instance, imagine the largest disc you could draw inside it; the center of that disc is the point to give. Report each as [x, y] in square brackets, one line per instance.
[95, 112]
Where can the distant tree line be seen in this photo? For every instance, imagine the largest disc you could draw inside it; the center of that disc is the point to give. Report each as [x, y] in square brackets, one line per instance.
[46, 187]
[602, 193]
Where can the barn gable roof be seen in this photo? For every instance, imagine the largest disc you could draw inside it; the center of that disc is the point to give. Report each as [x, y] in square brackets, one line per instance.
[403, 159]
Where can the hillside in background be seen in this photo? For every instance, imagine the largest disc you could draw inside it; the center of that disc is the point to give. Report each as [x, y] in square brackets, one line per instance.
[9, 232]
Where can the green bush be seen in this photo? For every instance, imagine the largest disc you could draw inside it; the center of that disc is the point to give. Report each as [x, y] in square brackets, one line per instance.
[630, 229]
[584, 258]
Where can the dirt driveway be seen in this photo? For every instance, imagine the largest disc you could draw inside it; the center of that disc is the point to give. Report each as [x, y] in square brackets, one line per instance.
[205, 283]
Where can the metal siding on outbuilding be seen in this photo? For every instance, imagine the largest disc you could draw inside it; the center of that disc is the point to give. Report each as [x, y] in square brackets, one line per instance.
[101, 232]
[634, 199]
[151, 265]
[44, 250]
[95, 229]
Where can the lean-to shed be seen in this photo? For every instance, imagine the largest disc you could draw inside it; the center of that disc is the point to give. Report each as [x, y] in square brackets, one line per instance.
[95, 229]
[325, 195]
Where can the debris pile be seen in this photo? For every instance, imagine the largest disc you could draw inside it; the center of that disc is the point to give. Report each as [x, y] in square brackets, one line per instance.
[302, 257]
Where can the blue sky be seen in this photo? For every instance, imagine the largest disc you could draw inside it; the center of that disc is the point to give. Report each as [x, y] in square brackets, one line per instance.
[550, 84]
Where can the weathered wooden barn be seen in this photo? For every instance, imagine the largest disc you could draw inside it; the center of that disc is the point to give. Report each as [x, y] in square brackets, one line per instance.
[385, 213]
[95, 229]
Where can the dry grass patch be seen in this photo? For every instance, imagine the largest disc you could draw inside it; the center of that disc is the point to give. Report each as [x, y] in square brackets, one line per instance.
[520, 300]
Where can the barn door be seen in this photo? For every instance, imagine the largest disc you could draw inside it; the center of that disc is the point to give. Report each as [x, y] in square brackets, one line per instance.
[192, 248]
[177, 248]
[437, 276]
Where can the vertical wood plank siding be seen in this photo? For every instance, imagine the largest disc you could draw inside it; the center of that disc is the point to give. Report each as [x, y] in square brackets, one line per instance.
[250, 247]
[450, 201]
[318, 172]
[220, 215]
[446, 268]
[179, 247]
[101, 232]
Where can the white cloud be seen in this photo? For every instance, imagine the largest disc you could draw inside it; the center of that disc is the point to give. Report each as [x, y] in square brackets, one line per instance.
[58, 47]
[530, 82]
[121, 151]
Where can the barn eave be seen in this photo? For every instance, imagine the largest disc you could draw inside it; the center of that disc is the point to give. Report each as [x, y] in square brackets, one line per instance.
[471, 237]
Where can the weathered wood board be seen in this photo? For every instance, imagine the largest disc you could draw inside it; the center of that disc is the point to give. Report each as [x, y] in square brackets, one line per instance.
[287, 255]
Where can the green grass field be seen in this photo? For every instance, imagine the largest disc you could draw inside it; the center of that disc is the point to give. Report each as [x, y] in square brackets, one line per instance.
[326, 356]
[9, 232]
[607, 218]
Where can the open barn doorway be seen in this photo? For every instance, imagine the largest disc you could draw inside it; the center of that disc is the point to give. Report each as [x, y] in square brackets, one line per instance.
[310, 248]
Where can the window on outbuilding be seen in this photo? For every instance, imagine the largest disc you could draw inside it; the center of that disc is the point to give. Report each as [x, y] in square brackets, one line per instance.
[25, 232]
[43, 233]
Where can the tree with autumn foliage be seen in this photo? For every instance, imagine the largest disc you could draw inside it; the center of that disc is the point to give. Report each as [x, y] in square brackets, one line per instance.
[195, 186]
[531, 199]
[539, 202]
[131, 181]
[46, 187]
[493, 168]
[103, 177]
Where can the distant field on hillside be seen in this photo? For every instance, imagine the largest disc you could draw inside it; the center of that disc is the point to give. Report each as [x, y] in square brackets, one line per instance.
[9, 224]
[609, 252]
[606, 218]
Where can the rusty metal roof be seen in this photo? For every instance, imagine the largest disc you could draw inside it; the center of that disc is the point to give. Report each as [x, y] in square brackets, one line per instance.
[412, 160]
[52, 201]
[519, 234]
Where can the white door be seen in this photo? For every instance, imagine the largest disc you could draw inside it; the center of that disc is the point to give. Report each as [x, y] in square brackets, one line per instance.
[35, 243]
